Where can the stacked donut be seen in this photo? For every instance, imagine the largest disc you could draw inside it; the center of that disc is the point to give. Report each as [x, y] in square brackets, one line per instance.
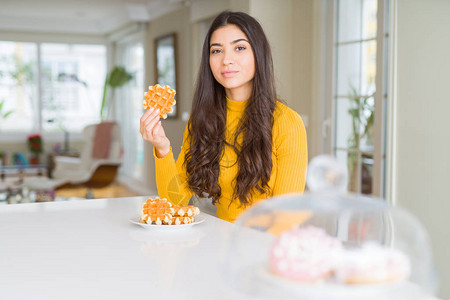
[161, 212]
[310, 255]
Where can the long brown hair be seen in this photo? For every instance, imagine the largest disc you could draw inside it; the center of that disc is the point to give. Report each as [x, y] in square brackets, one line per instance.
[206, 126]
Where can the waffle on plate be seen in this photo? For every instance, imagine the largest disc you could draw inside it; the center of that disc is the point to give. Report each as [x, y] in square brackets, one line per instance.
[161, 212]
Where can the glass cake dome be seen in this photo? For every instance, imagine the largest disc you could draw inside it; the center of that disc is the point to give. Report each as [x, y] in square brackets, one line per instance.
[328, 244]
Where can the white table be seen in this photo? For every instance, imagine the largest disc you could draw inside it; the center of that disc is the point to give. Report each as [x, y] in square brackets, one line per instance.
[88, 249]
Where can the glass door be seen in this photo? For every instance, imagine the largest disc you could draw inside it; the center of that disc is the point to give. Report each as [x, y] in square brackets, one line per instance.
[128, 107]
[359, 96]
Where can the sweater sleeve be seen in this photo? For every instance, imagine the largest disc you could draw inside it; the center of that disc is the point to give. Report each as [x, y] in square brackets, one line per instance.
[171, 177]
[291, 153]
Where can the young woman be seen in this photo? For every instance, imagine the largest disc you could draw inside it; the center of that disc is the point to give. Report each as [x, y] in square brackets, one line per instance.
[240, 145]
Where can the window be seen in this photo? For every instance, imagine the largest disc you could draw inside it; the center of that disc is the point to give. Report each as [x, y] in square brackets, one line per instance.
[72, 84]
[51, 87]
[18, 85]
[359, 92]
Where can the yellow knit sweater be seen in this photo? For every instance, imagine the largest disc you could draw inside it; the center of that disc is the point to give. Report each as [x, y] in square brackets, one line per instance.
[289, 158]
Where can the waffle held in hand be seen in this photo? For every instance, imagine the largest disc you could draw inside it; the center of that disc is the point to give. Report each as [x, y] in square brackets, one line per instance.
[161, 212]
[161, 98]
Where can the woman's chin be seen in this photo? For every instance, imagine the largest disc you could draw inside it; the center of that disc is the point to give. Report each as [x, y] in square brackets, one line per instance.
[235, 85]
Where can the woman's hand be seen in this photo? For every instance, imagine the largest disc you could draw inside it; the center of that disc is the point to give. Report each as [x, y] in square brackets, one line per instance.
[152, 131]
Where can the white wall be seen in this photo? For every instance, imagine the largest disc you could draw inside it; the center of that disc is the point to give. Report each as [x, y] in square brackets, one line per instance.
[303, 66]
[276, 21]
[423, 105]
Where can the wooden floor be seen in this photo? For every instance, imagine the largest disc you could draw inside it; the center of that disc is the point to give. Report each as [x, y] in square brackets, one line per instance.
[115, 190]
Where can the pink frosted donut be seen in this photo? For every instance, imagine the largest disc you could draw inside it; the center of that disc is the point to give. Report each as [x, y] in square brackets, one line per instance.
[372, 263]
[304, 254]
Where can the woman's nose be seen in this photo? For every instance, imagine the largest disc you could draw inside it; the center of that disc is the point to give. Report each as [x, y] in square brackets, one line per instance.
[228, 59]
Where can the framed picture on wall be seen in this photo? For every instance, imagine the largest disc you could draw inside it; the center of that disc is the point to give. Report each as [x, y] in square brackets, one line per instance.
[166, 65]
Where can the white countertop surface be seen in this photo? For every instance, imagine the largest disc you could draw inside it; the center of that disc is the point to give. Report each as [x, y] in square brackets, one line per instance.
[88, 249]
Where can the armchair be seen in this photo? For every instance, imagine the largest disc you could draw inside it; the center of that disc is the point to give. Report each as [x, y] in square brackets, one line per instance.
[99, 161]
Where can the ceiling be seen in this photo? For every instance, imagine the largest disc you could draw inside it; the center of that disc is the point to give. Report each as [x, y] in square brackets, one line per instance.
[80, 16]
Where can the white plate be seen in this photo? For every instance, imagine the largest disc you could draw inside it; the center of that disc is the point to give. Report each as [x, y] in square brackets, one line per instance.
[198, 219]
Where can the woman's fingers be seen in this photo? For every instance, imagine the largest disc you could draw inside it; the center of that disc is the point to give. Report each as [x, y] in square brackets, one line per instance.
[148, 119]
[157, 128]
[151, 129]
[149, 115]
[150, 125]
[151, 119]
[146, 115]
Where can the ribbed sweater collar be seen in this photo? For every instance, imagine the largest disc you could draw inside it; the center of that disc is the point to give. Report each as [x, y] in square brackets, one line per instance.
[237, 106]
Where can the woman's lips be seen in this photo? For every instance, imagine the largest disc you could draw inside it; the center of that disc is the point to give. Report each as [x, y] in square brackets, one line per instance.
[227, 74]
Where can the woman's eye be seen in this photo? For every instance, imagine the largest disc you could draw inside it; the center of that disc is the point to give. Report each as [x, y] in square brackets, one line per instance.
[215, 51]
[240, 48]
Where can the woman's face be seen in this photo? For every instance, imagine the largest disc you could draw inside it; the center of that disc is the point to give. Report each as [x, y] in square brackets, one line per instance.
[232, 61]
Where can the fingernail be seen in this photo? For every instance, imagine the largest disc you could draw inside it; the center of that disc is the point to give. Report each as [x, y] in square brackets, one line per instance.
[151, 109]
[157, 110]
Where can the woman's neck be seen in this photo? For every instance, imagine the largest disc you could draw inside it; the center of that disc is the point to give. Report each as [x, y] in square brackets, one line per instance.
[239, 94]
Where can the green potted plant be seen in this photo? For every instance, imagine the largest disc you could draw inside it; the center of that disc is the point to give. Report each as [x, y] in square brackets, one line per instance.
[362, 113]
[116, 78]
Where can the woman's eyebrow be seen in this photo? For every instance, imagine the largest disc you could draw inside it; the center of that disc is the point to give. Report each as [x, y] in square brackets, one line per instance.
[233, 42]
[239, 40]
